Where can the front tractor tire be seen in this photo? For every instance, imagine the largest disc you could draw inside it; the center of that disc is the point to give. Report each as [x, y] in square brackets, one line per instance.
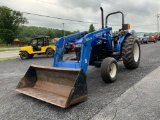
[50, 53]
[131, 53]
[24, 55]
[109, 68]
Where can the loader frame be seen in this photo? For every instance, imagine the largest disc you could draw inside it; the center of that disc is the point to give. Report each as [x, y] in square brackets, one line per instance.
[88, 42]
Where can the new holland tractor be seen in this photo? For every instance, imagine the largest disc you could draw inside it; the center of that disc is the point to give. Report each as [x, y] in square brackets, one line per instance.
[64, 83]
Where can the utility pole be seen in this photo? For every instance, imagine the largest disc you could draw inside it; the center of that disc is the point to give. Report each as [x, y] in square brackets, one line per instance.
[158, 24]
[63, 29]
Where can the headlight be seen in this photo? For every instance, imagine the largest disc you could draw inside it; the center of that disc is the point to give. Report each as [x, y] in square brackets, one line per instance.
[78, 45]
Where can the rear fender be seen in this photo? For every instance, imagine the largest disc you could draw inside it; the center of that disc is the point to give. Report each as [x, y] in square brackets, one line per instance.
[20, 52]
[49, 48]
[120, 42]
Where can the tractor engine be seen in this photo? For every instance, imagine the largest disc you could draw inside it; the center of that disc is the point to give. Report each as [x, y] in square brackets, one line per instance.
[98, 53]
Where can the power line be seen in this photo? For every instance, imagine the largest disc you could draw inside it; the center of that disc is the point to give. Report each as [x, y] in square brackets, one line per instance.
[57, 17]
[63, 19]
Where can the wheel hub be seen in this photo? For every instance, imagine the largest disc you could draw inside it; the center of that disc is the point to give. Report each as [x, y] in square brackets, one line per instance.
[113, 70]
[136, 52]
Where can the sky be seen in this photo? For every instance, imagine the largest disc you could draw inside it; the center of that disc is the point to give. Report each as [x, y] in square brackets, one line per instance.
[80, 14]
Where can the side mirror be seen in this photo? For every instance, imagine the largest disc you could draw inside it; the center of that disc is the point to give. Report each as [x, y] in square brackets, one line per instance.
[126, 26]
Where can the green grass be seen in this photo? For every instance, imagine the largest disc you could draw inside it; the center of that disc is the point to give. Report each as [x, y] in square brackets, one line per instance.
[9, 48]
[10, 58]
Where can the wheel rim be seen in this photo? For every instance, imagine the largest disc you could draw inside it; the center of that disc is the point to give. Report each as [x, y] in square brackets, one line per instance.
[136, 52]
[113, 70]
[24, 55]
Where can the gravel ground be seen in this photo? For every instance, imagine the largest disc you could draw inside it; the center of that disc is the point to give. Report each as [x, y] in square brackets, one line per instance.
[17, 106]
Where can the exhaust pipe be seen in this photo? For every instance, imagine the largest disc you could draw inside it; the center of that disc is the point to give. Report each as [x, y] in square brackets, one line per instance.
[102, 17]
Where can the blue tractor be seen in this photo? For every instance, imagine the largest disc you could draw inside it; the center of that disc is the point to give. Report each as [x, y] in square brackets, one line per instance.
[64, 83]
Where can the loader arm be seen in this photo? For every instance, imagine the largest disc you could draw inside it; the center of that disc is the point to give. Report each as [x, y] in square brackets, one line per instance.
[88, 41]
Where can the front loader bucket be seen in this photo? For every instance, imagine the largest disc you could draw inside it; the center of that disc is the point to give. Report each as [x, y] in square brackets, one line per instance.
[58, 86]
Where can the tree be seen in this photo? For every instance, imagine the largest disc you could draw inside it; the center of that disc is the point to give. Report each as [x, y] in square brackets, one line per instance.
[91, 28]
[10, 20]
[29, 32]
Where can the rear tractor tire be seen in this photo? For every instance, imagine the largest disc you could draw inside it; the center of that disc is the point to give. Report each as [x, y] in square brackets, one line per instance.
[24, 55]
[109, 68]
[131, 53]
[50, 53]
